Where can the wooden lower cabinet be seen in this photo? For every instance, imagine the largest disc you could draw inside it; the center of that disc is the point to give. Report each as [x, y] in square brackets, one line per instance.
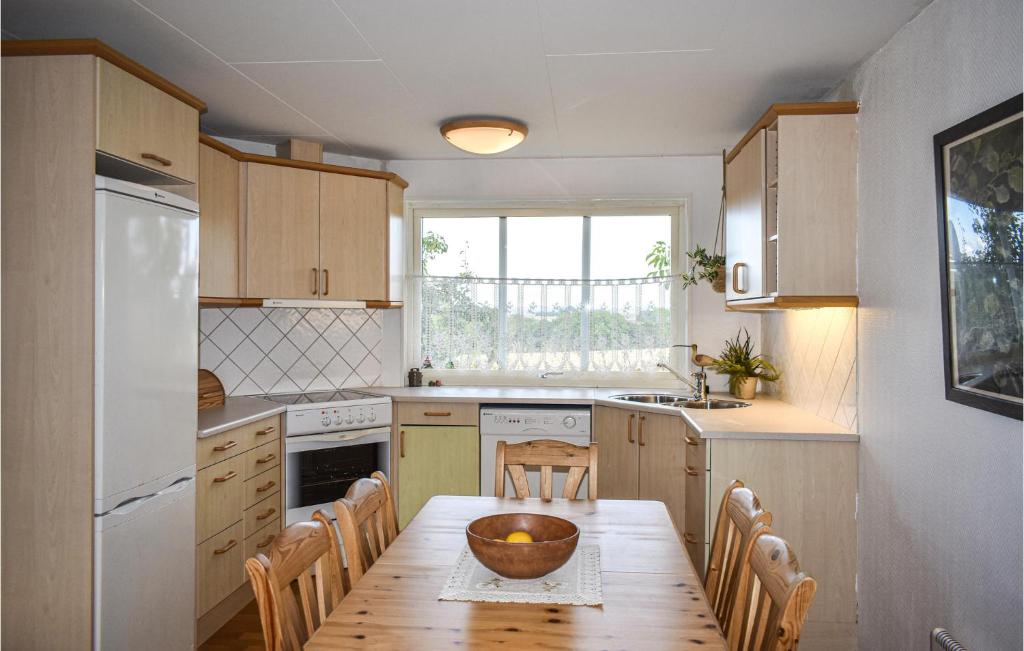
[239, 504]
[642, 457]
[810, 487]
[435, 460]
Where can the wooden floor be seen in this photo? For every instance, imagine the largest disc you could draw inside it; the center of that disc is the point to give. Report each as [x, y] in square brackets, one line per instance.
[241, 633]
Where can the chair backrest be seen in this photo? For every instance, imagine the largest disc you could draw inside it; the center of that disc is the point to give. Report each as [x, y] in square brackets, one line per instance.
[773, 597]
[367, 522]
[306, 554]
[547, 454]
[738, 515]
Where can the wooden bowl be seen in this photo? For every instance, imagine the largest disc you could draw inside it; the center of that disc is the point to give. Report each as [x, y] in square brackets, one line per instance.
[554, 541]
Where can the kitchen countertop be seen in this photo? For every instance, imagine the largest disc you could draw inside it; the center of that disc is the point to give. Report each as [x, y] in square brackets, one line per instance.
[765, 418]
[236, 412]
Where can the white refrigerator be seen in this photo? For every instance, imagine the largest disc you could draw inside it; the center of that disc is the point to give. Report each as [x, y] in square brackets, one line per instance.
[147, 286]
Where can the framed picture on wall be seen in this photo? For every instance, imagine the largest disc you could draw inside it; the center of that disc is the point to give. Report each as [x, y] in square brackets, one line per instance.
[979, 186]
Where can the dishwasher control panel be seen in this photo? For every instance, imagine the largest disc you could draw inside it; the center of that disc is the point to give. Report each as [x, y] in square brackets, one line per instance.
[534, 420]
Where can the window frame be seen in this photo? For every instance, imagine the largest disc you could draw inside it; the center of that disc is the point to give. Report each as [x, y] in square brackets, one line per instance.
[679, 212]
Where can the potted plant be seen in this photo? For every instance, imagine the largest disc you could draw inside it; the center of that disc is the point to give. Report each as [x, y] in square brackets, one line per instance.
[705, 266]
[743, 367]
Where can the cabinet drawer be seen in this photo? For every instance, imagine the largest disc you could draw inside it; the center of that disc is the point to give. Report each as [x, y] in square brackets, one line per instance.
[259, 541]
[258, 515]
[219, 497]
[262, 458]
[142, 124]
[233, 442]
[220, 567]
[262, 486]
[438, 413]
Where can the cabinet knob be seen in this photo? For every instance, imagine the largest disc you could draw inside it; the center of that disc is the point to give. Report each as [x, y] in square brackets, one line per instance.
[629, 428]
[226, 446]
[316, 281]
[226, 548]
[401, 443]
[327, 283]
[690, 538]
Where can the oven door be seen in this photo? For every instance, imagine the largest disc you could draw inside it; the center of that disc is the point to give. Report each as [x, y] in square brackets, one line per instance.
[321, 467]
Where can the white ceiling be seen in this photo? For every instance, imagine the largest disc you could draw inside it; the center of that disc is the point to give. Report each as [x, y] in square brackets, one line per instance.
[376, 78]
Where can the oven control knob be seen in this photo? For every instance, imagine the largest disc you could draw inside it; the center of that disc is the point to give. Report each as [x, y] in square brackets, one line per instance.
[372, 417]
[337, 421]
[349, 419]
[360, 418]
[325, 421]
[569, 422]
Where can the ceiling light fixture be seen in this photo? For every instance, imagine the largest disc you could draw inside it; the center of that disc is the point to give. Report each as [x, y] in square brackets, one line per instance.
[484, 136]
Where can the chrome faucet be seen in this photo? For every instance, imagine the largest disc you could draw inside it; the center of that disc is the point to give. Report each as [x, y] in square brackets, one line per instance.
[700, 388]
[546, 374]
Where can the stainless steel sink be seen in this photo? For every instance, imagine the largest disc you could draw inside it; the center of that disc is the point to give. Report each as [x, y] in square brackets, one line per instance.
[712, 403]
[651, 398]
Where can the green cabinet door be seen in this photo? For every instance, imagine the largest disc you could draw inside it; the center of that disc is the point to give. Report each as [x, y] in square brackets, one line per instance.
[435, 460]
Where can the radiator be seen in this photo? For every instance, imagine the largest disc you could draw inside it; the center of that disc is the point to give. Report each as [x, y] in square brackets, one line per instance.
[943, 641]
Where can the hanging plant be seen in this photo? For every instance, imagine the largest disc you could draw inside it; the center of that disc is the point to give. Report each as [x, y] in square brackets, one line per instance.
[705, 266]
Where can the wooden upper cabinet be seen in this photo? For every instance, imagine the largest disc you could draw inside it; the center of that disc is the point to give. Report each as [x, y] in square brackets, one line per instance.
[353, 238]
[744, 222]
[282, 252]
[218, 224]
[142, 124]
[791, 209]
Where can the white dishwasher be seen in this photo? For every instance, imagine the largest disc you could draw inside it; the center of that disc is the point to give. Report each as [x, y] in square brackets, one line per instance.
[518, 424]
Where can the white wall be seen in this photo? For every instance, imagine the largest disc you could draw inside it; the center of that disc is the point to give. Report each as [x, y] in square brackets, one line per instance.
[940, 483]
[266, 149]
[696, 177]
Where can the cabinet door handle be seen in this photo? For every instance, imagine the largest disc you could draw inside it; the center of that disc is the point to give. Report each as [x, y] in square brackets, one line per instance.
[690, 538]
[266, 541]
[266, 430]
[267, 459]
[401, 443]
[316, 281]
[440, 414]
[327, 283]
[226, 446]
[691, 471]
[692, 441]
[226, 548]
[629, 428]
[266, 514]
[735, 277]
[267, 486]
[159, 159]
[640, 430]
[224, 478]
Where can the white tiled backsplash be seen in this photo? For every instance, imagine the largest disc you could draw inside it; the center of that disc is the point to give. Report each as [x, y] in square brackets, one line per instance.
[816, 350]
[279, 350]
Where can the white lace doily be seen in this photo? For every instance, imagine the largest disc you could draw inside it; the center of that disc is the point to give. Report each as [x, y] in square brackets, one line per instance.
[577, 583]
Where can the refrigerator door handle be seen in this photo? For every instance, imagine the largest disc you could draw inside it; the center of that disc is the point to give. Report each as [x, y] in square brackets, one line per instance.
[130, 505]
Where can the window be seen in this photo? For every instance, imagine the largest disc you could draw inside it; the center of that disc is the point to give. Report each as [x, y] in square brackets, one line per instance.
[582, 292]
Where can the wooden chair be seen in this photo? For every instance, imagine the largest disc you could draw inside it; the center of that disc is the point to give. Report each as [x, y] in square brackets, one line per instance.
[306, 554]
[367, 522]
[738, 515]
[773, 597]
[548, 455]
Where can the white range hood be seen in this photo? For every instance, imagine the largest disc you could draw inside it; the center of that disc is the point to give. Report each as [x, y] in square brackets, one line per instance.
[314, 303]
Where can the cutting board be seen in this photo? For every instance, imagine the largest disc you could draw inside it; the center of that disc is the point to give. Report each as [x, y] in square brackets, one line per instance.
[211, 391]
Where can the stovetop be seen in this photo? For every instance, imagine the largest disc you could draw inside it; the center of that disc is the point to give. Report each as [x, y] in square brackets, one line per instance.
[319, 397]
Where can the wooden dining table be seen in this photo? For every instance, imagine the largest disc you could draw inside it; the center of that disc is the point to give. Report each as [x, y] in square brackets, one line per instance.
[653, 598]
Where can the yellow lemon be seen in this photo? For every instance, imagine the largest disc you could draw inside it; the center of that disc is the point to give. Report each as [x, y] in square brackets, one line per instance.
[519, 537]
